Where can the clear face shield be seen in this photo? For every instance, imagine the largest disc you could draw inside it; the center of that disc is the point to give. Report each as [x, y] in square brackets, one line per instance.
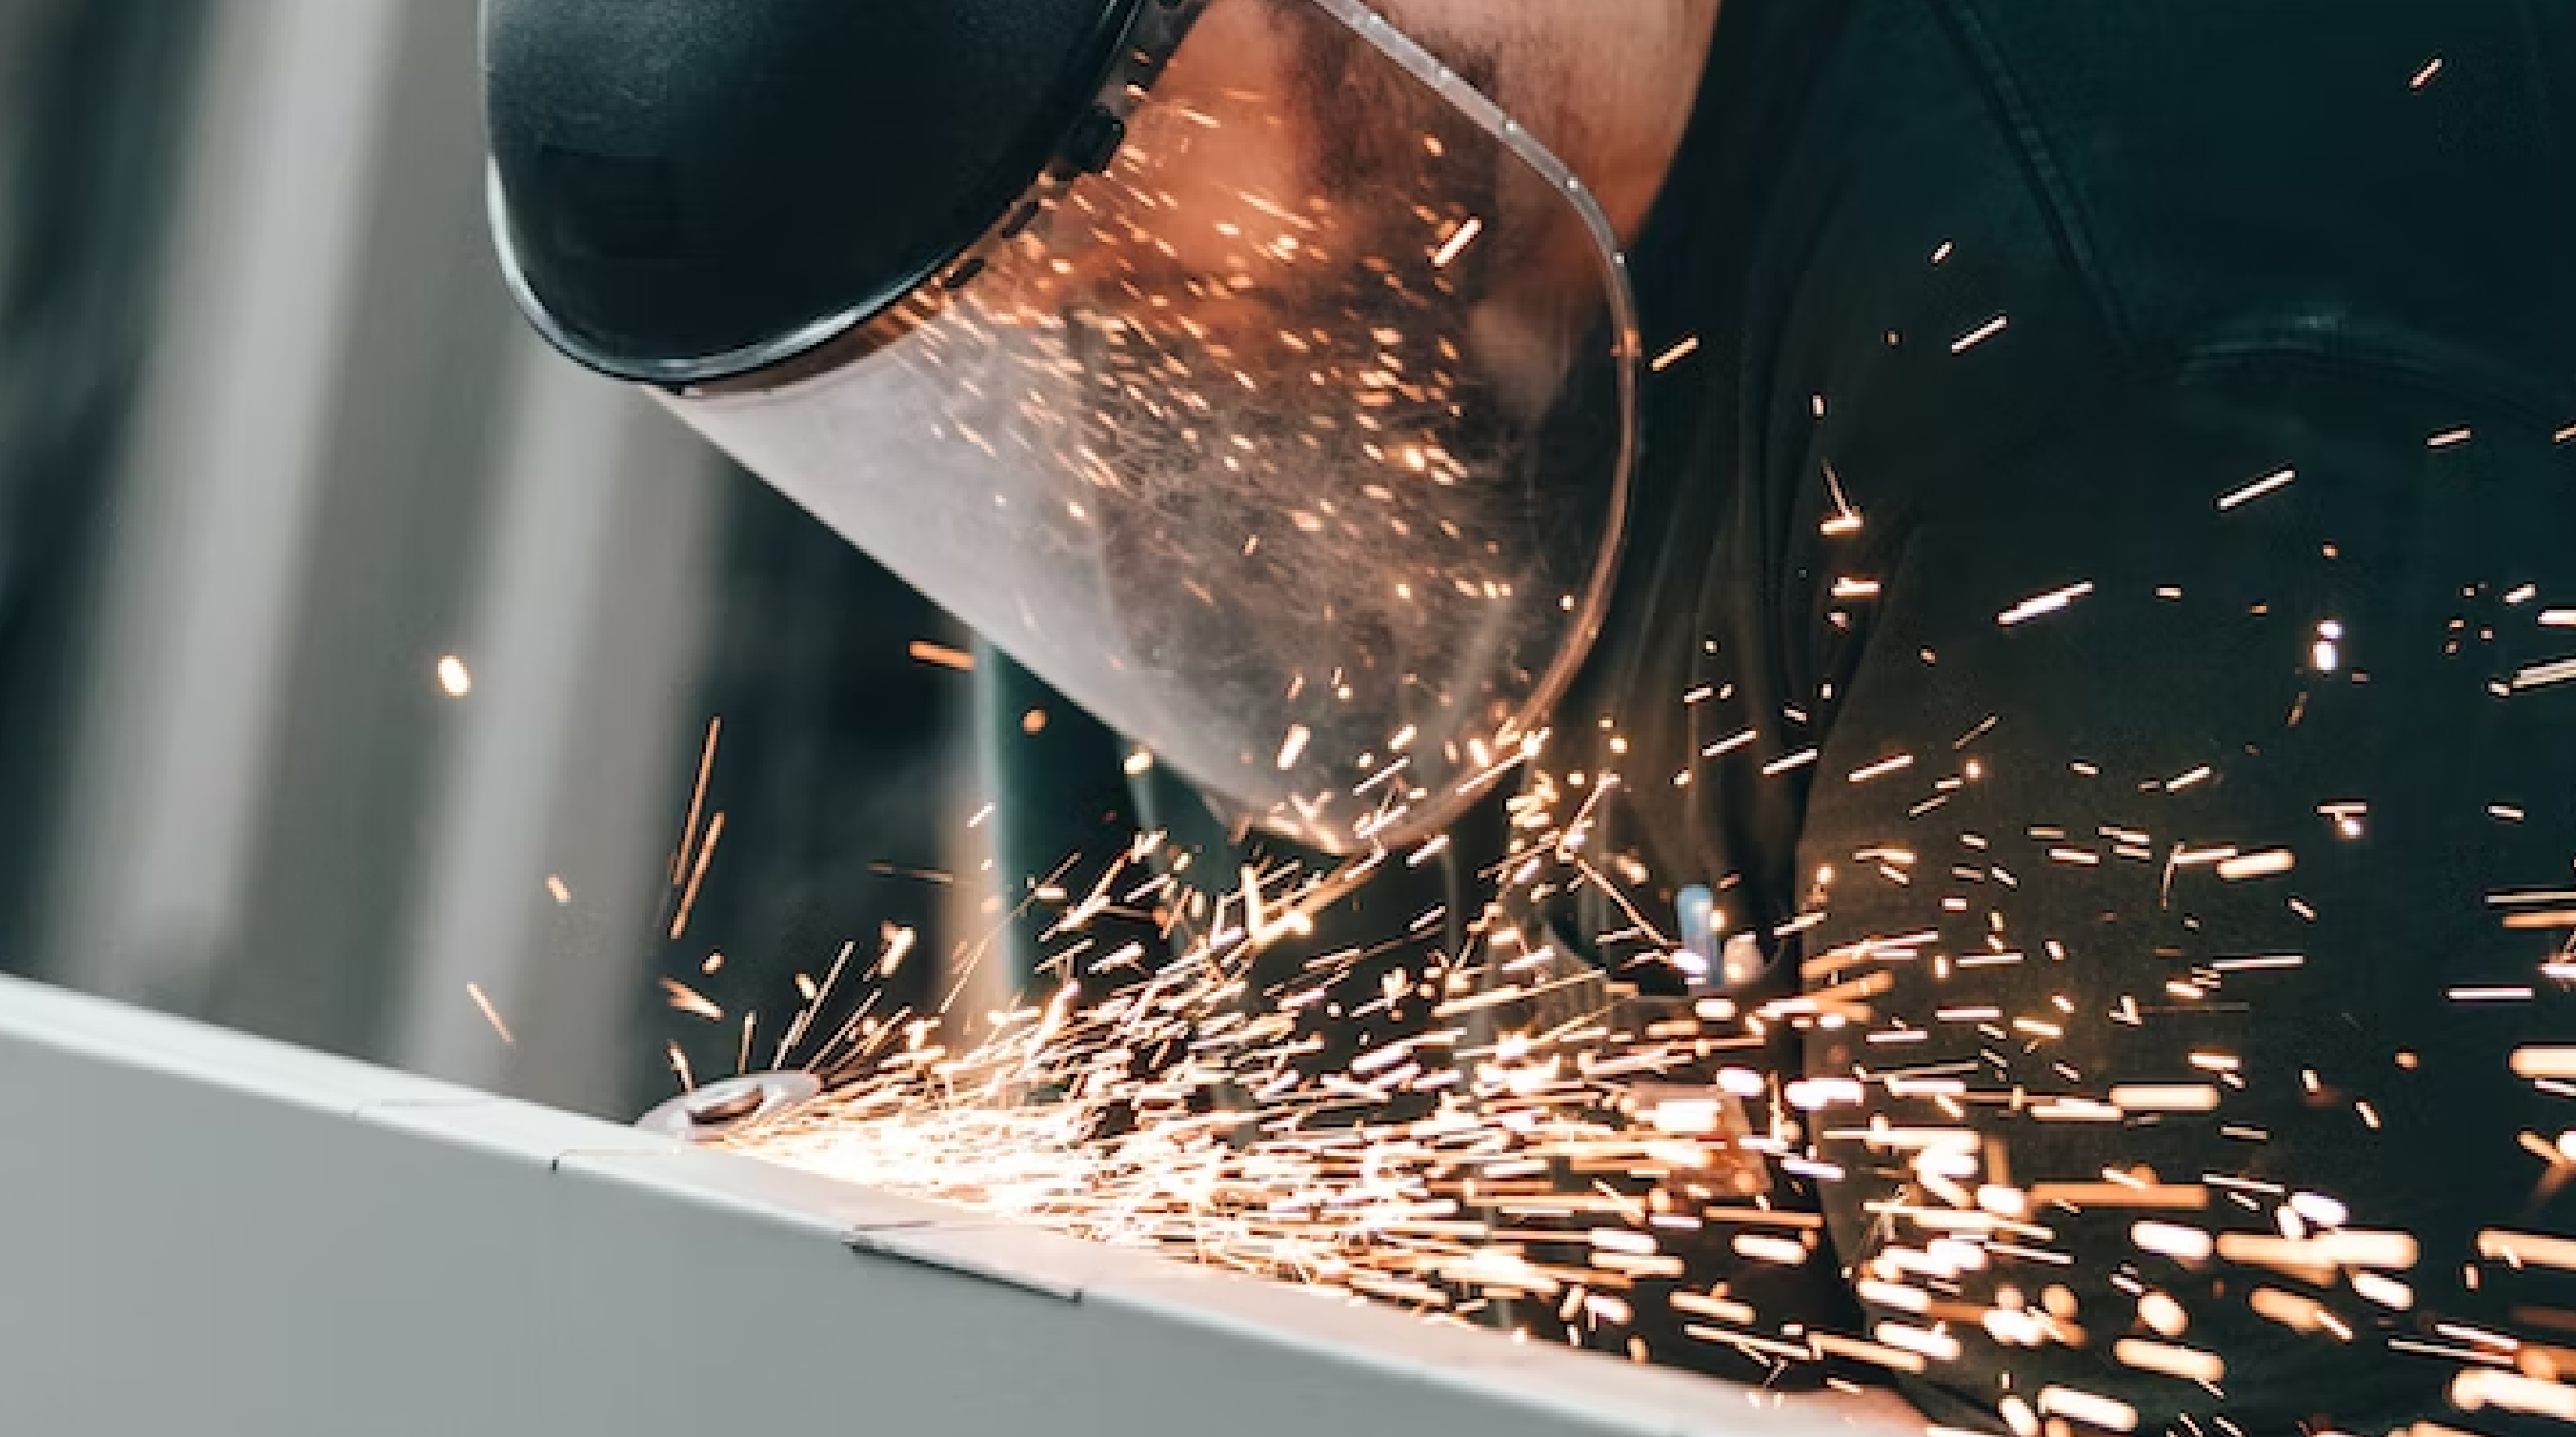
[1295, 443]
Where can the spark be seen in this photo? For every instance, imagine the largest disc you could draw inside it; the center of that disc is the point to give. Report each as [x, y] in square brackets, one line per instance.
[1980, 334]
[690, 1001]
[491, 1015]
[2528, 1249]
[2189, 1364]
[2290, 1309]
[1877, 1354]
[697, 800]
[2106, 1413]
[1293, 747]
[2349, 1248]
[2477, 1387]
[2170, 1098]
[2265, 864]
[1936, 1345]
[2258, 962]
[1684, 349]
[454, 677]
[1845, 519]
[558, 890]
[2543, 1062]
[697, 876]
[941, 656]
[679, 1060]
[1881, 769]
[2048, 603]
[2278, 479]
[1896, 1295]
[1785, 1252]
[1730, 744]
[2165, 1239]
[1456, 245]
[2557, 671]
[2424, 76]
[2382, 1290]
[898, 942]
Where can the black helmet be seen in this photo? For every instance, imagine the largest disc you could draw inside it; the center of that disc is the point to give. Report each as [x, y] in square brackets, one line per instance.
[1231, 363]
[686, 189]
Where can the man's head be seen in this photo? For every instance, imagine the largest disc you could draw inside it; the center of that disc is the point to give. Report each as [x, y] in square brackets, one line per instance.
[1270, 390]
[682, 188]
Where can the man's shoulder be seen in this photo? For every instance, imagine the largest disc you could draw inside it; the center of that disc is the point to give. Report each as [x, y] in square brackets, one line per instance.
[1996, 205]
[2216, 158]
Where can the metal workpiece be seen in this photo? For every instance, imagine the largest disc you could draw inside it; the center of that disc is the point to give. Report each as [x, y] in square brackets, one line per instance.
[210, 1233]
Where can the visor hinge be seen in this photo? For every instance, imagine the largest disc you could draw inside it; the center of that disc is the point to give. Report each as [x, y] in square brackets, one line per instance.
[1092, 145]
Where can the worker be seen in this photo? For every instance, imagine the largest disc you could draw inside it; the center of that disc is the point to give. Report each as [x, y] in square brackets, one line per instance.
[2043, 534]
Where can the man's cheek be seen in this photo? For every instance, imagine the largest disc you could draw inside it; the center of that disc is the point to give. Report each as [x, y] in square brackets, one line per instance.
[1224, 208]
[1219, 171]
[1225, 197]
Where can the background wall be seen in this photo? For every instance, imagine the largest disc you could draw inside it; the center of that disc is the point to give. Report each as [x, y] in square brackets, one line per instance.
[272, 448]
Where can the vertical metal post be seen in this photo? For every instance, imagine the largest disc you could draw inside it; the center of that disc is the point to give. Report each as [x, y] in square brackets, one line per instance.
[226, 469]
[541, 867]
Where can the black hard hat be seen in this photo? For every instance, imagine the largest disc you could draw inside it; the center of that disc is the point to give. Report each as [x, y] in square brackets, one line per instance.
[1265, 436]
[687, 190]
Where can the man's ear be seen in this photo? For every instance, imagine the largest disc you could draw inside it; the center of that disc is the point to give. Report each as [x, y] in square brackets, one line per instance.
[1608, 85]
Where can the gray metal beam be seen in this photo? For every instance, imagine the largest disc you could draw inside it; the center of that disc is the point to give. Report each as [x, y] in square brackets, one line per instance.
[214, 1234]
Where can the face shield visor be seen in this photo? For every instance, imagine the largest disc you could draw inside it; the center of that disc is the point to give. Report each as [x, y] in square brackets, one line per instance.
[1293, 441]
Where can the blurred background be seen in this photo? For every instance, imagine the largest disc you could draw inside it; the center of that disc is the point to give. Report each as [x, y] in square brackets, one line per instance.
[354, 649]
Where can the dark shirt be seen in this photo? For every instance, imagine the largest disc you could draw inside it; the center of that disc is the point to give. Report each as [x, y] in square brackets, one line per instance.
[2167, 206]
[2180, 710]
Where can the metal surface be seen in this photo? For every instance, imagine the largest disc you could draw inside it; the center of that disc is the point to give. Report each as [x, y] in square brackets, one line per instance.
[730, 1105]
[214, 1234]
